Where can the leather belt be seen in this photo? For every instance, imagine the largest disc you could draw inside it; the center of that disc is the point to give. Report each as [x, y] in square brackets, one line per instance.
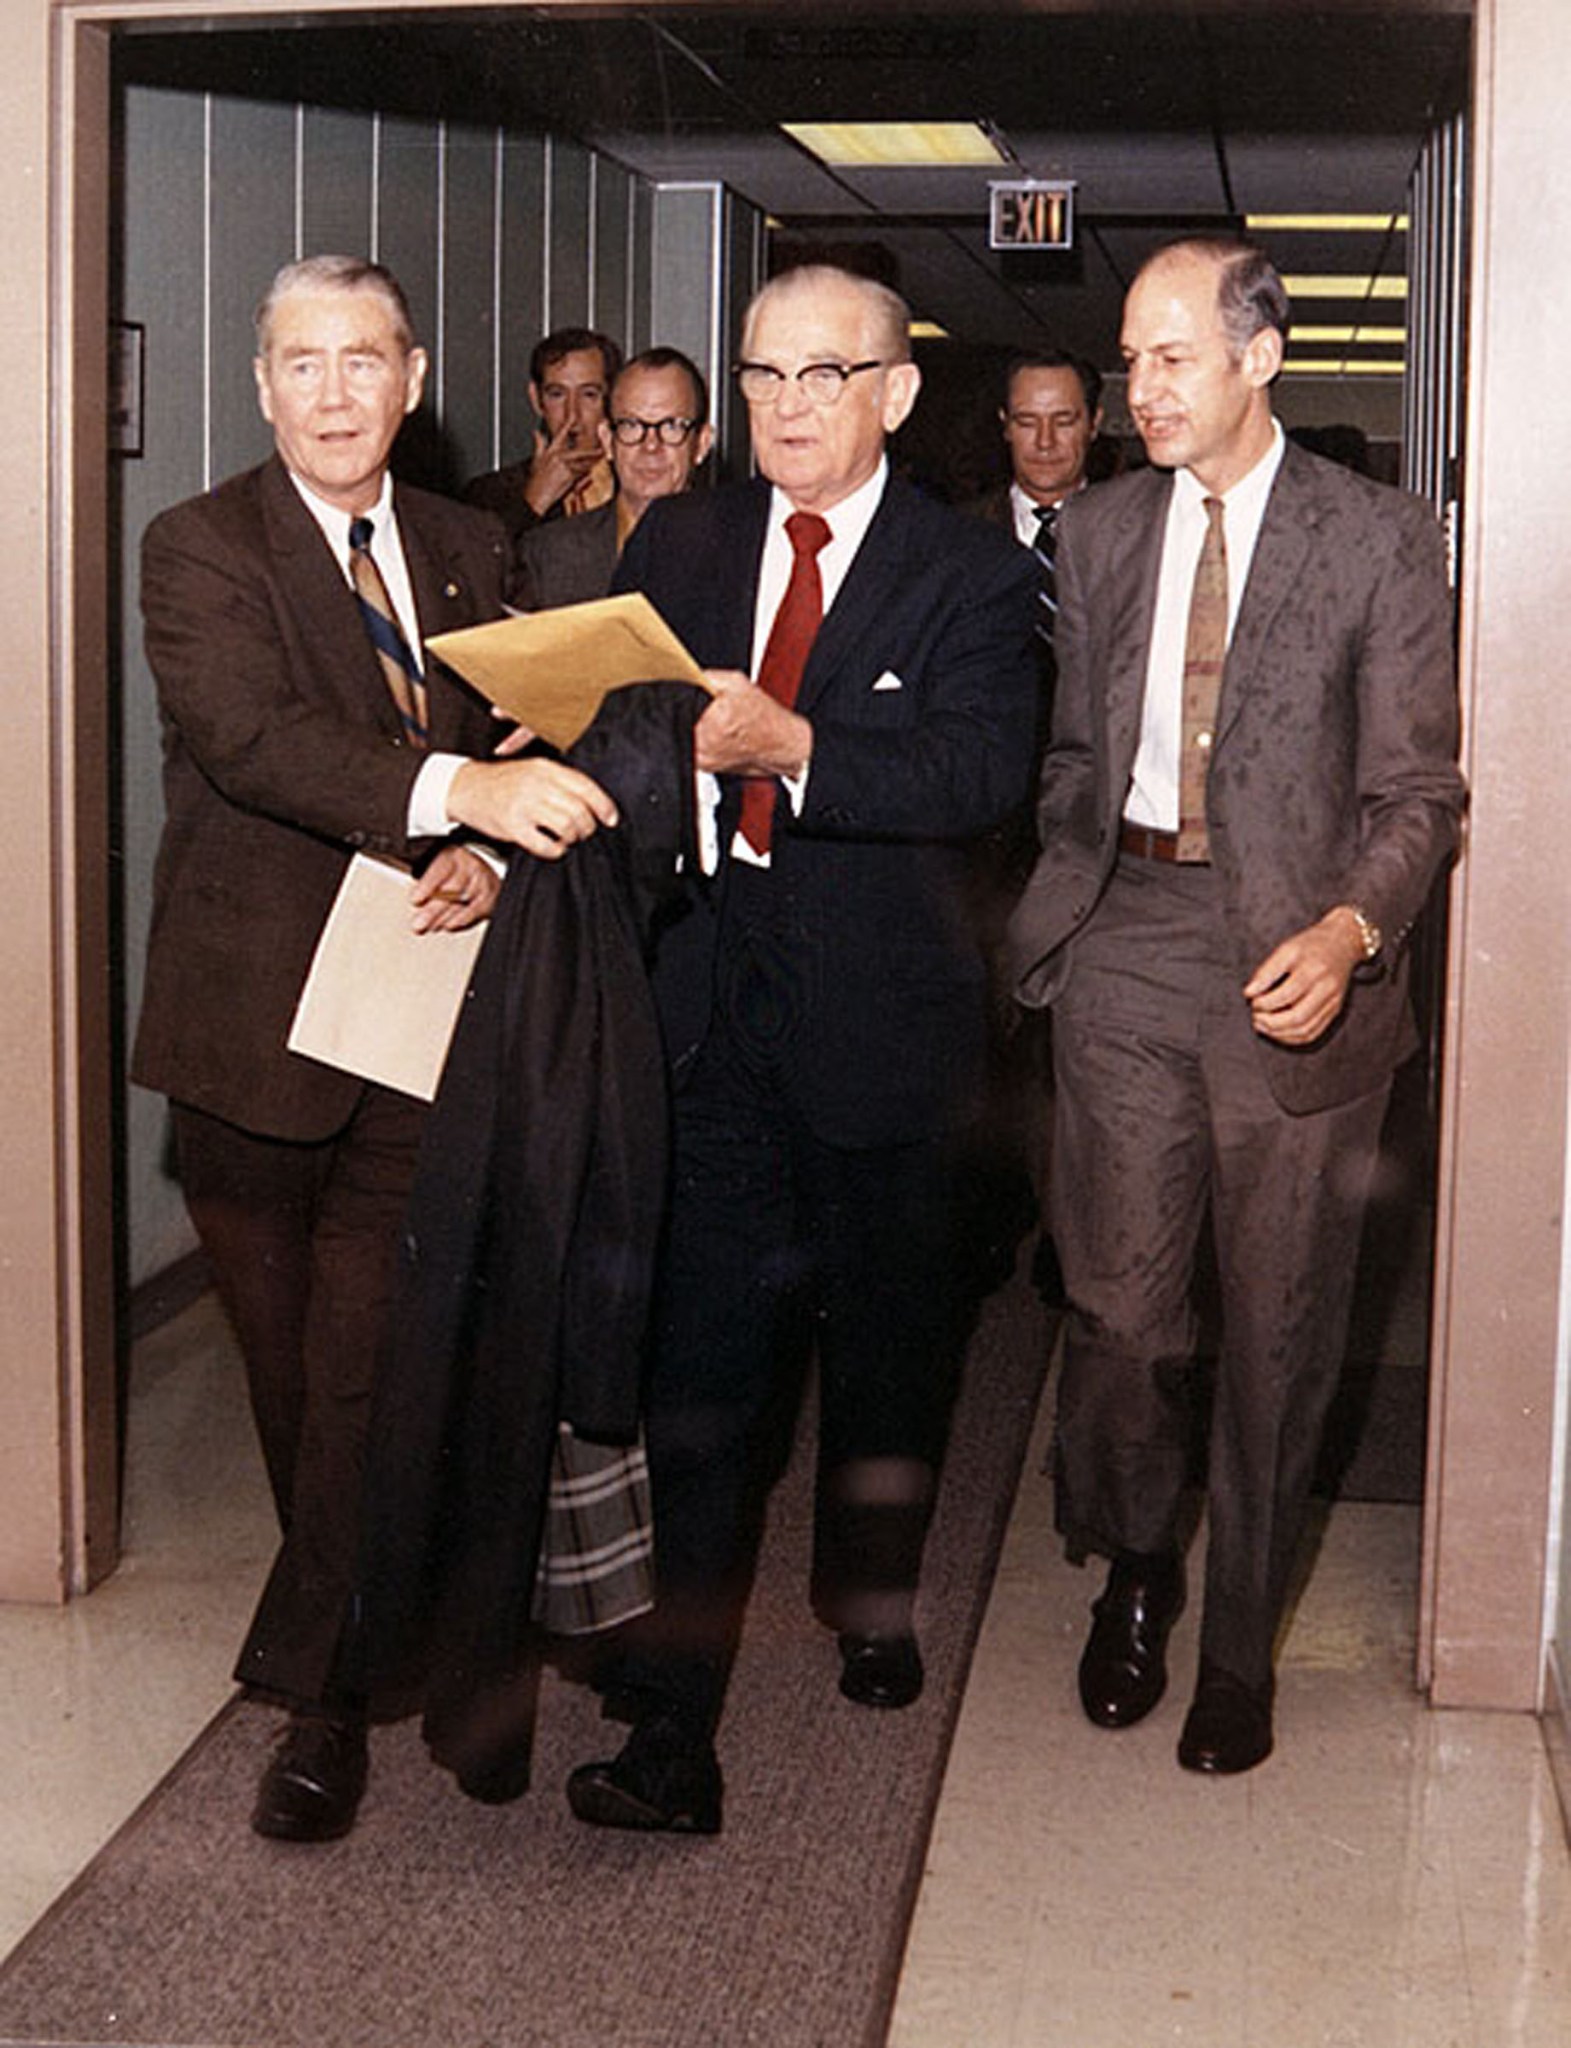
[1147, 844]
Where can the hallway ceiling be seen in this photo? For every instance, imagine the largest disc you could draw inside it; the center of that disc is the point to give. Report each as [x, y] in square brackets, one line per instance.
[1186, 117]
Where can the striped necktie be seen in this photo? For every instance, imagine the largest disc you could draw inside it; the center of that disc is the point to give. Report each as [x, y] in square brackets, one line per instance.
[400, 670]
[1045, 548]
[780, 672]
[1205, 650]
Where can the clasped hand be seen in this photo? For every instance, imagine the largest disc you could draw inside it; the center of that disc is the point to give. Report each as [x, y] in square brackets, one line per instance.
[745, 731]
[1297, 992]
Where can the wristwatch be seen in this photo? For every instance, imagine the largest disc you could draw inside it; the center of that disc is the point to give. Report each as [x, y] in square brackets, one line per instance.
[1368, 932]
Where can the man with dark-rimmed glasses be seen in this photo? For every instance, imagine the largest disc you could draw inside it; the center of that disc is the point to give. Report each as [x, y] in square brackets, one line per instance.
[823, 1004]
[657, 433]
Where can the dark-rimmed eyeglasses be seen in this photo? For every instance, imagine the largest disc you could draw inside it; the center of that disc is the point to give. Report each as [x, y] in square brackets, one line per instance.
[762, 383]
[670, 433]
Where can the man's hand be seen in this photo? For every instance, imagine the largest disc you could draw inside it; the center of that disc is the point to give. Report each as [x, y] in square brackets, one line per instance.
[543, 806]
[560, 464]
[1297, 991]
[458, 889]
[744, 731]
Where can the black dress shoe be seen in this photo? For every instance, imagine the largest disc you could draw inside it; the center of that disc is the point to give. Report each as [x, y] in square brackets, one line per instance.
[1228, 1728]
[311, 1790]
[665, 1781]
[1123, 1671]
[880, 1671]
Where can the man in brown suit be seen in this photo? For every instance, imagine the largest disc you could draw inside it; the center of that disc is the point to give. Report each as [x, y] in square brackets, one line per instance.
[284, 752]
[1223, 950]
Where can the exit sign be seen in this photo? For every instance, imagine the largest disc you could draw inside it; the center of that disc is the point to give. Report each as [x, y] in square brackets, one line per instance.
[1032, 214]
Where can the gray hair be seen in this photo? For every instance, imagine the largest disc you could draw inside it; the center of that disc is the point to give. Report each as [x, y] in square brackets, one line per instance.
[338, 274]
[891, 314]
[1250, 295]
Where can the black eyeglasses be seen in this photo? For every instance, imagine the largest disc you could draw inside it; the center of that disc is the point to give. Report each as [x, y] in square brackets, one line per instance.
[762, 383]
[670, 433]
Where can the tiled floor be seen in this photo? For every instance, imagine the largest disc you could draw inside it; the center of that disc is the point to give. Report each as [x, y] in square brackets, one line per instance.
[1392, 1878]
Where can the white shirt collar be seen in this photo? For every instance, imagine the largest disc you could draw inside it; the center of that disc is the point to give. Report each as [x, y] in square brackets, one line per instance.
[1249, 494]
[335, 522]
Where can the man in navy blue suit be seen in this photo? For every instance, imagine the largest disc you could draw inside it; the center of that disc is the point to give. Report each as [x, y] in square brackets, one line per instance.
[823, 1000]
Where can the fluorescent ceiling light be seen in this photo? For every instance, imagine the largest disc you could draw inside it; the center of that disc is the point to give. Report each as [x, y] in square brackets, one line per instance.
[1365, 336]
[1323, 286]
[1341, 366]
[904, 144]
[1325, 223]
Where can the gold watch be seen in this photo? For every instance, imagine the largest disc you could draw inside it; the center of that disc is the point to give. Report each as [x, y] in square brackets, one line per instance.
[1369, 933]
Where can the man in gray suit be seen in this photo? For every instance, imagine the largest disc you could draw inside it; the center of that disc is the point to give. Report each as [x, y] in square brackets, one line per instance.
[285, 751]
[656, 434]
[1218, 920]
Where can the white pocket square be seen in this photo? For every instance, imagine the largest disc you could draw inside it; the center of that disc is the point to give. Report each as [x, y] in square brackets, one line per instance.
[889, 681]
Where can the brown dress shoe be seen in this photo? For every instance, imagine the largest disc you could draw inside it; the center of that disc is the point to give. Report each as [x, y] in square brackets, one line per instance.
[311, 1790]
[1228, 1728]
[1123, 1671]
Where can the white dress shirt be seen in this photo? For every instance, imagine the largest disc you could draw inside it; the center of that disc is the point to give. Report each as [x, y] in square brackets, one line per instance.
[848, 522]
[1153, 794]
[428, 818]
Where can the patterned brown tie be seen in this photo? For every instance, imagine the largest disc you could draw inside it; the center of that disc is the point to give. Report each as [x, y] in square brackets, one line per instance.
[780, 672]
[400, 670]
[1205, 650]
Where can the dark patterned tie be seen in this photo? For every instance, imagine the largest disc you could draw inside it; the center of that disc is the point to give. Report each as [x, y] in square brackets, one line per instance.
[780, 673]
[1205, 650]
[1045, 548]
[400, 670]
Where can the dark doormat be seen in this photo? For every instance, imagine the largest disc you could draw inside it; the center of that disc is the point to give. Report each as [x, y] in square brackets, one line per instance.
[443, 1924]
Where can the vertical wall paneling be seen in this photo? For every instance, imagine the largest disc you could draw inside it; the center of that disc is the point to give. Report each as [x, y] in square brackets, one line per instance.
[524, 284]
[569, 229]
[253, 232]
[469, 301]
[613, 280]
[640, 265]
[162, 283]
[685, 262]
[337, 175]
[1436, 317]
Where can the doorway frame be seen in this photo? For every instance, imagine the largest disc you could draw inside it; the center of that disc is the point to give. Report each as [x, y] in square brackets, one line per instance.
[1498, 1348]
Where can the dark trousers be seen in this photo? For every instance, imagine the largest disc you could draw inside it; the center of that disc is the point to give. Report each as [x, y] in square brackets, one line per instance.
[302, 1239]
[777, 1240]
[1162, 1111]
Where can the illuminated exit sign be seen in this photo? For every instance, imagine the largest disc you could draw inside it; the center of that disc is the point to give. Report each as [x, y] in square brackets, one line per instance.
[1032, 215]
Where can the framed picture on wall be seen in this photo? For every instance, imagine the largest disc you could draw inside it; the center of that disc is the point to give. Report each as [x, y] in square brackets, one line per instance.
[126, 342]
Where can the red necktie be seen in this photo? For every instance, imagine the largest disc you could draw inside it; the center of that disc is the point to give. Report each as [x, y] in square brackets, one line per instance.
[780, 673]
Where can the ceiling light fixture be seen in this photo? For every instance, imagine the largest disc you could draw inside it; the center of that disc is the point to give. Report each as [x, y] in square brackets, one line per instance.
[1325, 285]
[1325, 223]
[1366, 337]
[903, 145]
[1342, 366]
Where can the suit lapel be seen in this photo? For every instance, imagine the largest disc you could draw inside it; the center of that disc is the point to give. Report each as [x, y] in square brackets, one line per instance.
[1281, 550]
[868, 587]
[737, 595]
[1132, 565]
[314, 588]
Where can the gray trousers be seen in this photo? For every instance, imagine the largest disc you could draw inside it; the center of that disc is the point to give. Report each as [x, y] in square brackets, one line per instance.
[1163, 1111]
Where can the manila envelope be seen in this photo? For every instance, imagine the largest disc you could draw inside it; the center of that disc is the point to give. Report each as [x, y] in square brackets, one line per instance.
[551, 670]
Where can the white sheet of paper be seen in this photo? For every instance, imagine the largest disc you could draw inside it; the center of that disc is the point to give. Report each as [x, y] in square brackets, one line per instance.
[381, 1000]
